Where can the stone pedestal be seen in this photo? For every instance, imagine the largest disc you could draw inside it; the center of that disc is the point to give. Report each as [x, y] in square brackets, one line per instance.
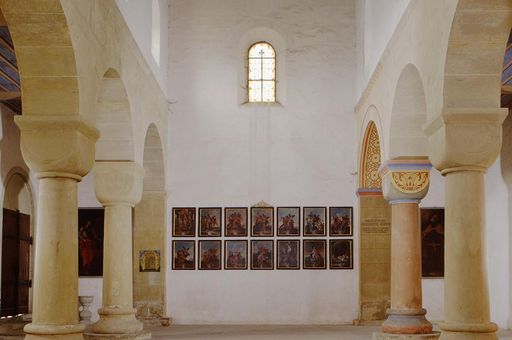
[463, 144]
[118, 186]
[60, 150]
[405, 183]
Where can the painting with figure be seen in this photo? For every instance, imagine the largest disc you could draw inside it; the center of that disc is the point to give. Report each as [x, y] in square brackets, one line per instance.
[340, 221]
[432, 242]
[314, 254]
[210, 255]
[210, 222]
[235, 222]
[183, 255]
[90, 241]
[184, 222]
[235, 254]
[288, 221]
[341, 254]
[288, 253]
[262, 254]
[262, 221]
[149, 261]
[315, 221]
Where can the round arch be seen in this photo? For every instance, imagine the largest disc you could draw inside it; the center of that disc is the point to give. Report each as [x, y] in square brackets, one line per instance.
[408, 115]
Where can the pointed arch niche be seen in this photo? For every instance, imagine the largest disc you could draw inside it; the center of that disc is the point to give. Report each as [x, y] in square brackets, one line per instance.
[149, 233]
[374, 232]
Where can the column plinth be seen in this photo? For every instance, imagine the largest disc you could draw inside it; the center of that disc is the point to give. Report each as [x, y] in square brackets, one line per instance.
[60, 150]
[405, 183]
[118, 188]
[463, 143]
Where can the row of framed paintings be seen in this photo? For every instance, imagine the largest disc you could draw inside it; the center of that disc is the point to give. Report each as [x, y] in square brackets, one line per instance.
[261, 256]
[262, 222]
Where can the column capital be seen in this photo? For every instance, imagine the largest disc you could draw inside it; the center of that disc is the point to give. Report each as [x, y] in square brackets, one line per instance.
[118, 182]
[57, 145]
[465, 139]
[405, 179]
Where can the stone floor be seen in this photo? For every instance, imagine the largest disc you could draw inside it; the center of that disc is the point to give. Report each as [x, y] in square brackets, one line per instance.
[182, 332]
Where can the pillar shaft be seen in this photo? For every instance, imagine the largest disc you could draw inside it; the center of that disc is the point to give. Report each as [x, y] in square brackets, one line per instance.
[405, 248]
[466, 304]
[118, 186]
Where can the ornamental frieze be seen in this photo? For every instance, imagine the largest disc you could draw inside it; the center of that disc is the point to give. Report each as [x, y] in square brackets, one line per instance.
[410, 182]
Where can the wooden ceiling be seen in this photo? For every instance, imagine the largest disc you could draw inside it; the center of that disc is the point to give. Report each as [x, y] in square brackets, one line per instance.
[506, 76]
[10, 89]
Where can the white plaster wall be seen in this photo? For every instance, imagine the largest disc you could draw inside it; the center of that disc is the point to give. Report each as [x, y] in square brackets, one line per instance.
[225, 153]
[138, 17]
[378, 20]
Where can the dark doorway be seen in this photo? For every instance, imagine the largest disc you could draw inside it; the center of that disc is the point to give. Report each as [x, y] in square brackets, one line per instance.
[16, 282]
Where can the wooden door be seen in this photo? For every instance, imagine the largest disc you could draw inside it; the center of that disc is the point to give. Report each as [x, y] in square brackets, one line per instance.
[16, 282]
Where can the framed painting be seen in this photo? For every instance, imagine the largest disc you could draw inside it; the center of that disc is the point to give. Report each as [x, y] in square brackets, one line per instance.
[288, 254]
[432, 242]
[262, 254]
[235, 254]
[341, 254]
[314, 252]
[262, 221]
[210, 222]
[183, 222]
[340, 221]
[149, 261]
[183, 255]
[210, 255]
[235, 222]
[90, 241]
[288, 221]
[315, 221]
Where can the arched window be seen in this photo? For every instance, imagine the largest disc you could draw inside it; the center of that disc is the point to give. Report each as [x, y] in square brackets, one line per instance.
[262, 73]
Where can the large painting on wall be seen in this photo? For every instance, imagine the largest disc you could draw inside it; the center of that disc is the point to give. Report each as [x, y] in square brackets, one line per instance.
[90, 241]
[432, 242]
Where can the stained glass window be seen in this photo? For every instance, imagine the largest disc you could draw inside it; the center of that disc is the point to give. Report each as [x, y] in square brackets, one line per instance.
[262, 73]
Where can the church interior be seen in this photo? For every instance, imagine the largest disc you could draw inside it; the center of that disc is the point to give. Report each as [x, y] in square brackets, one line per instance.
[272, 169]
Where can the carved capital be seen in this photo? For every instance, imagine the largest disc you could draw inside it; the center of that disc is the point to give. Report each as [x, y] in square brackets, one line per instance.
[405, 179]
[57, 146]
[465, 138]
[118, 182]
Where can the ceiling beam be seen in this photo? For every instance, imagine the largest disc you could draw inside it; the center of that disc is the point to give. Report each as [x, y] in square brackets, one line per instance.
[10, 95]
[506, 89]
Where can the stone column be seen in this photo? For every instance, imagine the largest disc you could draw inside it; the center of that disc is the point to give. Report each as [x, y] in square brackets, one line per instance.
[463, 144]
[118, 186]
[60, 151]
[405, 182]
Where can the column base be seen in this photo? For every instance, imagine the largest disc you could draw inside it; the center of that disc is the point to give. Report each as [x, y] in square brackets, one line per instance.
[64, 332]
[142, 335]
[407, 322]
[455, 331]
[117, 320]
[386, 336]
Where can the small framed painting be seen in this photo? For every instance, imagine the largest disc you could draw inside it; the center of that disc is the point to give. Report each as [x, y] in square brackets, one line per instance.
[262, 221]
[341, 254]
[340, 221]
[314, 254]
[288, 254]
[235, 222]
[183, 255]
[315, 221]
[262, 254]
[432, 242]
[210, 222]
[183, 222]
[235, 254]
[210, 255]
[90, 241]
[149, 261]
[288, 221]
